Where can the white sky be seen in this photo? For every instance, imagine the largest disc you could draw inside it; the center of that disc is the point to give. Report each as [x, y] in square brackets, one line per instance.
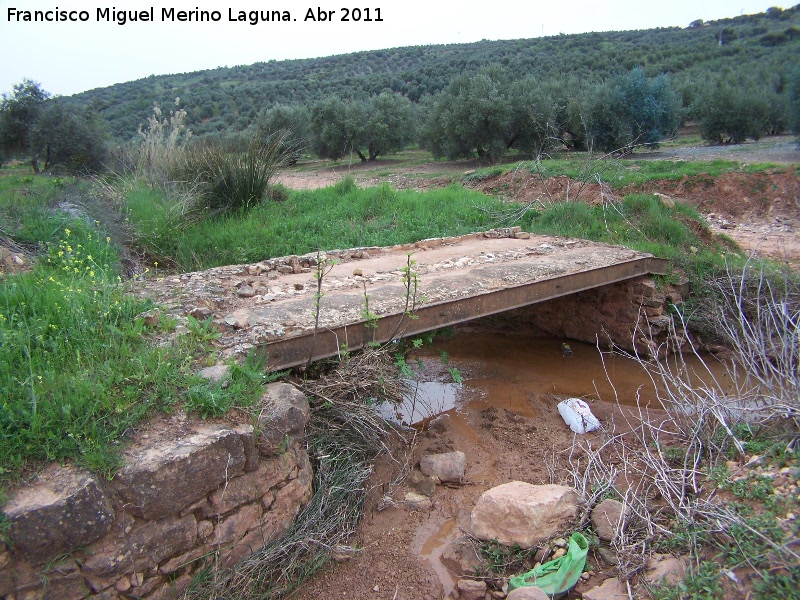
[68, 57]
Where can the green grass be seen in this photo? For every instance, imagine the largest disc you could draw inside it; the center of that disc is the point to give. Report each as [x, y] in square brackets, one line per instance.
[346, 216]
[337, 217]
[78, 368]
[25, 205]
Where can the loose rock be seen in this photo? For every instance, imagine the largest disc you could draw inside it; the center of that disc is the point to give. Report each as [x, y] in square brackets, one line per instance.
[421, 483]
[611, 589]
[606, 518]
[469, 589]
[527, 593]
[449, 466]
[460, 557]
[521, 513]
[664, 567]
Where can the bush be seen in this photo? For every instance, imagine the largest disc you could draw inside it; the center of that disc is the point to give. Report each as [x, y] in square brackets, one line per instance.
[230, 179]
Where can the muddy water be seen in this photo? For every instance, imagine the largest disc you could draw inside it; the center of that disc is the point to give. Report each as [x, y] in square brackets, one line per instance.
[510, 372]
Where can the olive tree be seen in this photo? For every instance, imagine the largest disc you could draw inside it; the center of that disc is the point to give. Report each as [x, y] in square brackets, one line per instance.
[68, 139]
[291, 122]
[472, 116]
[537, 116]
[384, 124]
[336, 127]
[391, 125]
[18, 113]
[631, 110]
[729, 112]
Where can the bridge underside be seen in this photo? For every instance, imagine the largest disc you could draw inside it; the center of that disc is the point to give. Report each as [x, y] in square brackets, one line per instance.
[453, 280]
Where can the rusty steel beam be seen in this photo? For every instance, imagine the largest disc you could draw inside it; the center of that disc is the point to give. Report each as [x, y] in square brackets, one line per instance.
[294, 351]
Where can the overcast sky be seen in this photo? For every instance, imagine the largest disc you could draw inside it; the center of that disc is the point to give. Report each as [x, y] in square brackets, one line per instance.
[70, 57]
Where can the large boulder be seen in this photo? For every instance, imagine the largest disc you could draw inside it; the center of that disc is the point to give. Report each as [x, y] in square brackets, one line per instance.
[522, 513]
[284, 414]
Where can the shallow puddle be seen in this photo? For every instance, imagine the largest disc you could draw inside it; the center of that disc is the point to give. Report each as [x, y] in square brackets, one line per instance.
[509, 372]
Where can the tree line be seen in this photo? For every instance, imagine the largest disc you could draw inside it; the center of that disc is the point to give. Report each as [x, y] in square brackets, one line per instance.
[614, 92]
[225, 101]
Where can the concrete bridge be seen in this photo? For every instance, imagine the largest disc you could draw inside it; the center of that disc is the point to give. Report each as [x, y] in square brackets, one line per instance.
[367, 295]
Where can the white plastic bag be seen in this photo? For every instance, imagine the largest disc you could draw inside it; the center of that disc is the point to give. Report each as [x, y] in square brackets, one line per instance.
[577, 414]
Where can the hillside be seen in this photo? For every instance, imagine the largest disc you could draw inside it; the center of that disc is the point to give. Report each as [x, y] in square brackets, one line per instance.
[761, 47]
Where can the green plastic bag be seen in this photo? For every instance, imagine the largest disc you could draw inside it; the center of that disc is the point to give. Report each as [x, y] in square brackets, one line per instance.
[557, 576]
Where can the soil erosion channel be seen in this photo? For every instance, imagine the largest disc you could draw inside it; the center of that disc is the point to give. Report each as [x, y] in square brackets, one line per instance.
[502, 415]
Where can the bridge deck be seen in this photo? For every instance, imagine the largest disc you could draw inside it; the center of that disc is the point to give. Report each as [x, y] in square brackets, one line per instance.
[272, 304]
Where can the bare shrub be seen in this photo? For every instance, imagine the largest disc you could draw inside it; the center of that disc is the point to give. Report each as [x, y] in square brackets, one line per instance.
[660, 465]
[758, 313]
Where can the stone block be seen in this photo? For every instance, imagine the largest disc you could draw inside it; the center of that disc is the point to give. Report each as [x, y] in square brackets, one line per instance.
[252, 542]
[234, 528]
[141, 549]
[284, 413]
[247, 433]
[161, 478]
[66, 508]
[183, 560]
[250, 487]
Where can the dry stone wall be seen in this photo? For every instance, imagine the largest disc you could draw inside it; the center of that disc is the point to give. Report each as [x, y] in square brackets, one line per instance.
[189, 495]
[633, 314]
